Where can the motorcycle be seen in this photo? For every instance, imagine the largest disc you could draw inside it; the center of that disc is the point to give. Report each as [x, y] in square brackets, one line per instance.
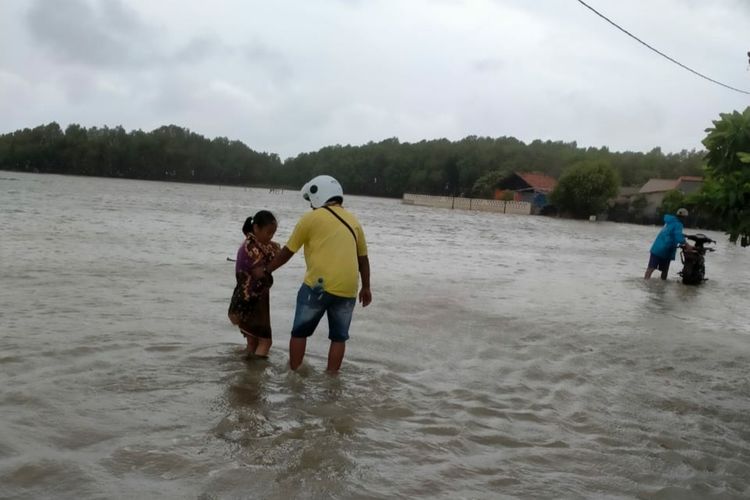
[693, 259]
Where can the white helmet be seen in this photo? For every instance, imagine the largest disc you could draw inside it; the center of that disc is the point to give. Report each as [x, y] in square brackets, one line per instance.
[319, 190]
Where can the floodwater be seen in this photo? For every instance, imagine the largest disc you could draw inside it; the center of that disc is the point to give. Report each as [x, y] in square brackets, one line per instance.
[502, 357]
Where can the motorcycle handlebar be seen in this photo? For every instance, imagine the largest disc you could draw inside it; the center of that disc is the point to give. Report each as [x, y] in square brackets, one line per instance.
[699, 237]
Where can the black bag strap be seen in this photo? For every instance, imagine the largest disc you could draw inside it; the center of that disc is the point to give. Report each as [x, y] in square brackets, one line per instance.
[343, 222]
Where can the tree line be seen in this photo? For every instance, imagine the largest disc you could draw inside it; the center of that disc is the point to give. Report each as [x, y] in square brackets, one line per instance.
[169, 153]
[589, 178]
[469, 167]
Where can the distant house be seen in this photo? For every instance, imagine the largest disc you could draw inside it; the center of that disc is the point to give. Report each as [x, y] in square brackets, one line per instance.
[689, 184]
[625, 193]
[532, 187]
[655, 190]
[620, 206]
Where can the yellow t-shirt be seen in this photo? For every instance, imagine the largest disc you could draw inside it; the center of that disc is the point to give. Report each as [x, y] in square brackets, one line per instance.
[330, 250]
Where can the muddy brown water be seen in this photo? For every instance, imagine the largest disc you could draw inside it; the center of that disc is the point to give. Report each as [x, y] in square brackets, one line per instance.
[502, 357]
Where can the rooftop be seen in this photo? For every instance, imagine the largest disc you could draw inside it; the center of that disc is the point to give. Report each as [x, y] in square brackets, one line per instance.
[659, 186]
[538, 181]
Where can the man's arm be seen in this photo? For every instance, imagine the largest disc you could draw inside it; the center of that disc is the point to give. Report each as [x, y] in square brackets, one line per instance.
[281, 258]
[365, 296]
[680, 238]
[680, 235]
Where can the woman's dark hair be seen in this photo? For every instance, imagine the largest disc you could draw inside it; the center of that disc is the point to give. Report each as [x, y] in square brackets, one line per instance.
[247, 227]
[262, 219]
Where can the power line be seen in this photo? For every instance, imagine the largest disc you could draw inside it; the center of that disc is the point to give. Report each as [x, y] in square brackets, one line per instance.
[660, 52]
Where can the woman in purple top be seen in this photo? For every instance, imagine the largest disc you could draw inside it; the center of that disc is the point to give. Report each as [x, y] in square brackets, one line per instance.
[250, 308]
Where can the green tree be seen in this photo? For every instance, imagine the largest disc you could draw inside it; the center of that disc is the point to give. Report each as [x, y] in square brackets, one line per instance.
[386, 168]
[585, 188]
[484, 186]
[637, 205]
[727, 189]
[672, 201]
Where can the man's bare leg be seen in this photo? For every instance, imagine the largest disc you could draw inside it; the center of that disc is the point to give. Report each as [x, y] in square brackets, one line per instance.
[335, 355]
[649, 272]
[296, 351]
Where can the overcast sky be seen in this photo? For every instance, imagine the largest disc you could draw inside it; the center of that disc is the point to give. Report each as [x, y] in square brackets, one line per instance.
[288, 76]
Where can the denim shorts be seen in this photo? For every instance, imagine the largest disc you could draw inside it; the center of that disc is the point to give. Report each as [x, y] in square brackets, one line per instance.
[312, 305]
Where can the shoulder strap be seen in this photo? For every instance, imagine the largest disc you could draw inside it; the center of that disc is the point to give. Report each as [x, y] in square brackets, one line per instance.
[343, 222]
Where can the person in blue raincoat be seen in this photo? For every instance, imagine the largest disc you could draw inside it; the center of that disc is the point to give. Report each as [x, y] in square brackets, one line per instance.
[665, 245]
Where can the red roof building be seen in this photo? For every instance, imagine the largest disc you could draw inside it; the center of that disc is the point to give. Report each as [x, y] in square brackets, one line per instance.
[527, 182]
[533, 187]
[540, 183]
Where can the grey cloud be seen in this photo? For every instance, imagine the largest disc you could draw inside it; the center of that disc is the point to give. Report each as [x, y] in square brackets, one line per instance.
[198, 49]
[270, 59]
[252, 54]
[728, 5]
[104, 33]
[170, 95]
[108, 34]
[488, 65]
[121, 18]
[491, 68]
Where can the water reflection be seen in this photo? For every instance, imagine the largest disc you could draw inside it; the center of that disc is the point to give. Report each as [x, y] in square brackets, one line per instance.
[247, 385]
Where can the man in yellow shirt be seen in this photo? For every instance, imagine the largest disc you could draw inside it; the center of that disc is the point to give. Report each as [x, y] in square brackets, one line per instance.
[335, 254]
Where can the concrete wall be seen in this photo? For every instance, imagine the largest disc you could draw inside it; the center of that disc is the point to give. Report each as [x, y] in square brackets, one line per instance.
[482, 205]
